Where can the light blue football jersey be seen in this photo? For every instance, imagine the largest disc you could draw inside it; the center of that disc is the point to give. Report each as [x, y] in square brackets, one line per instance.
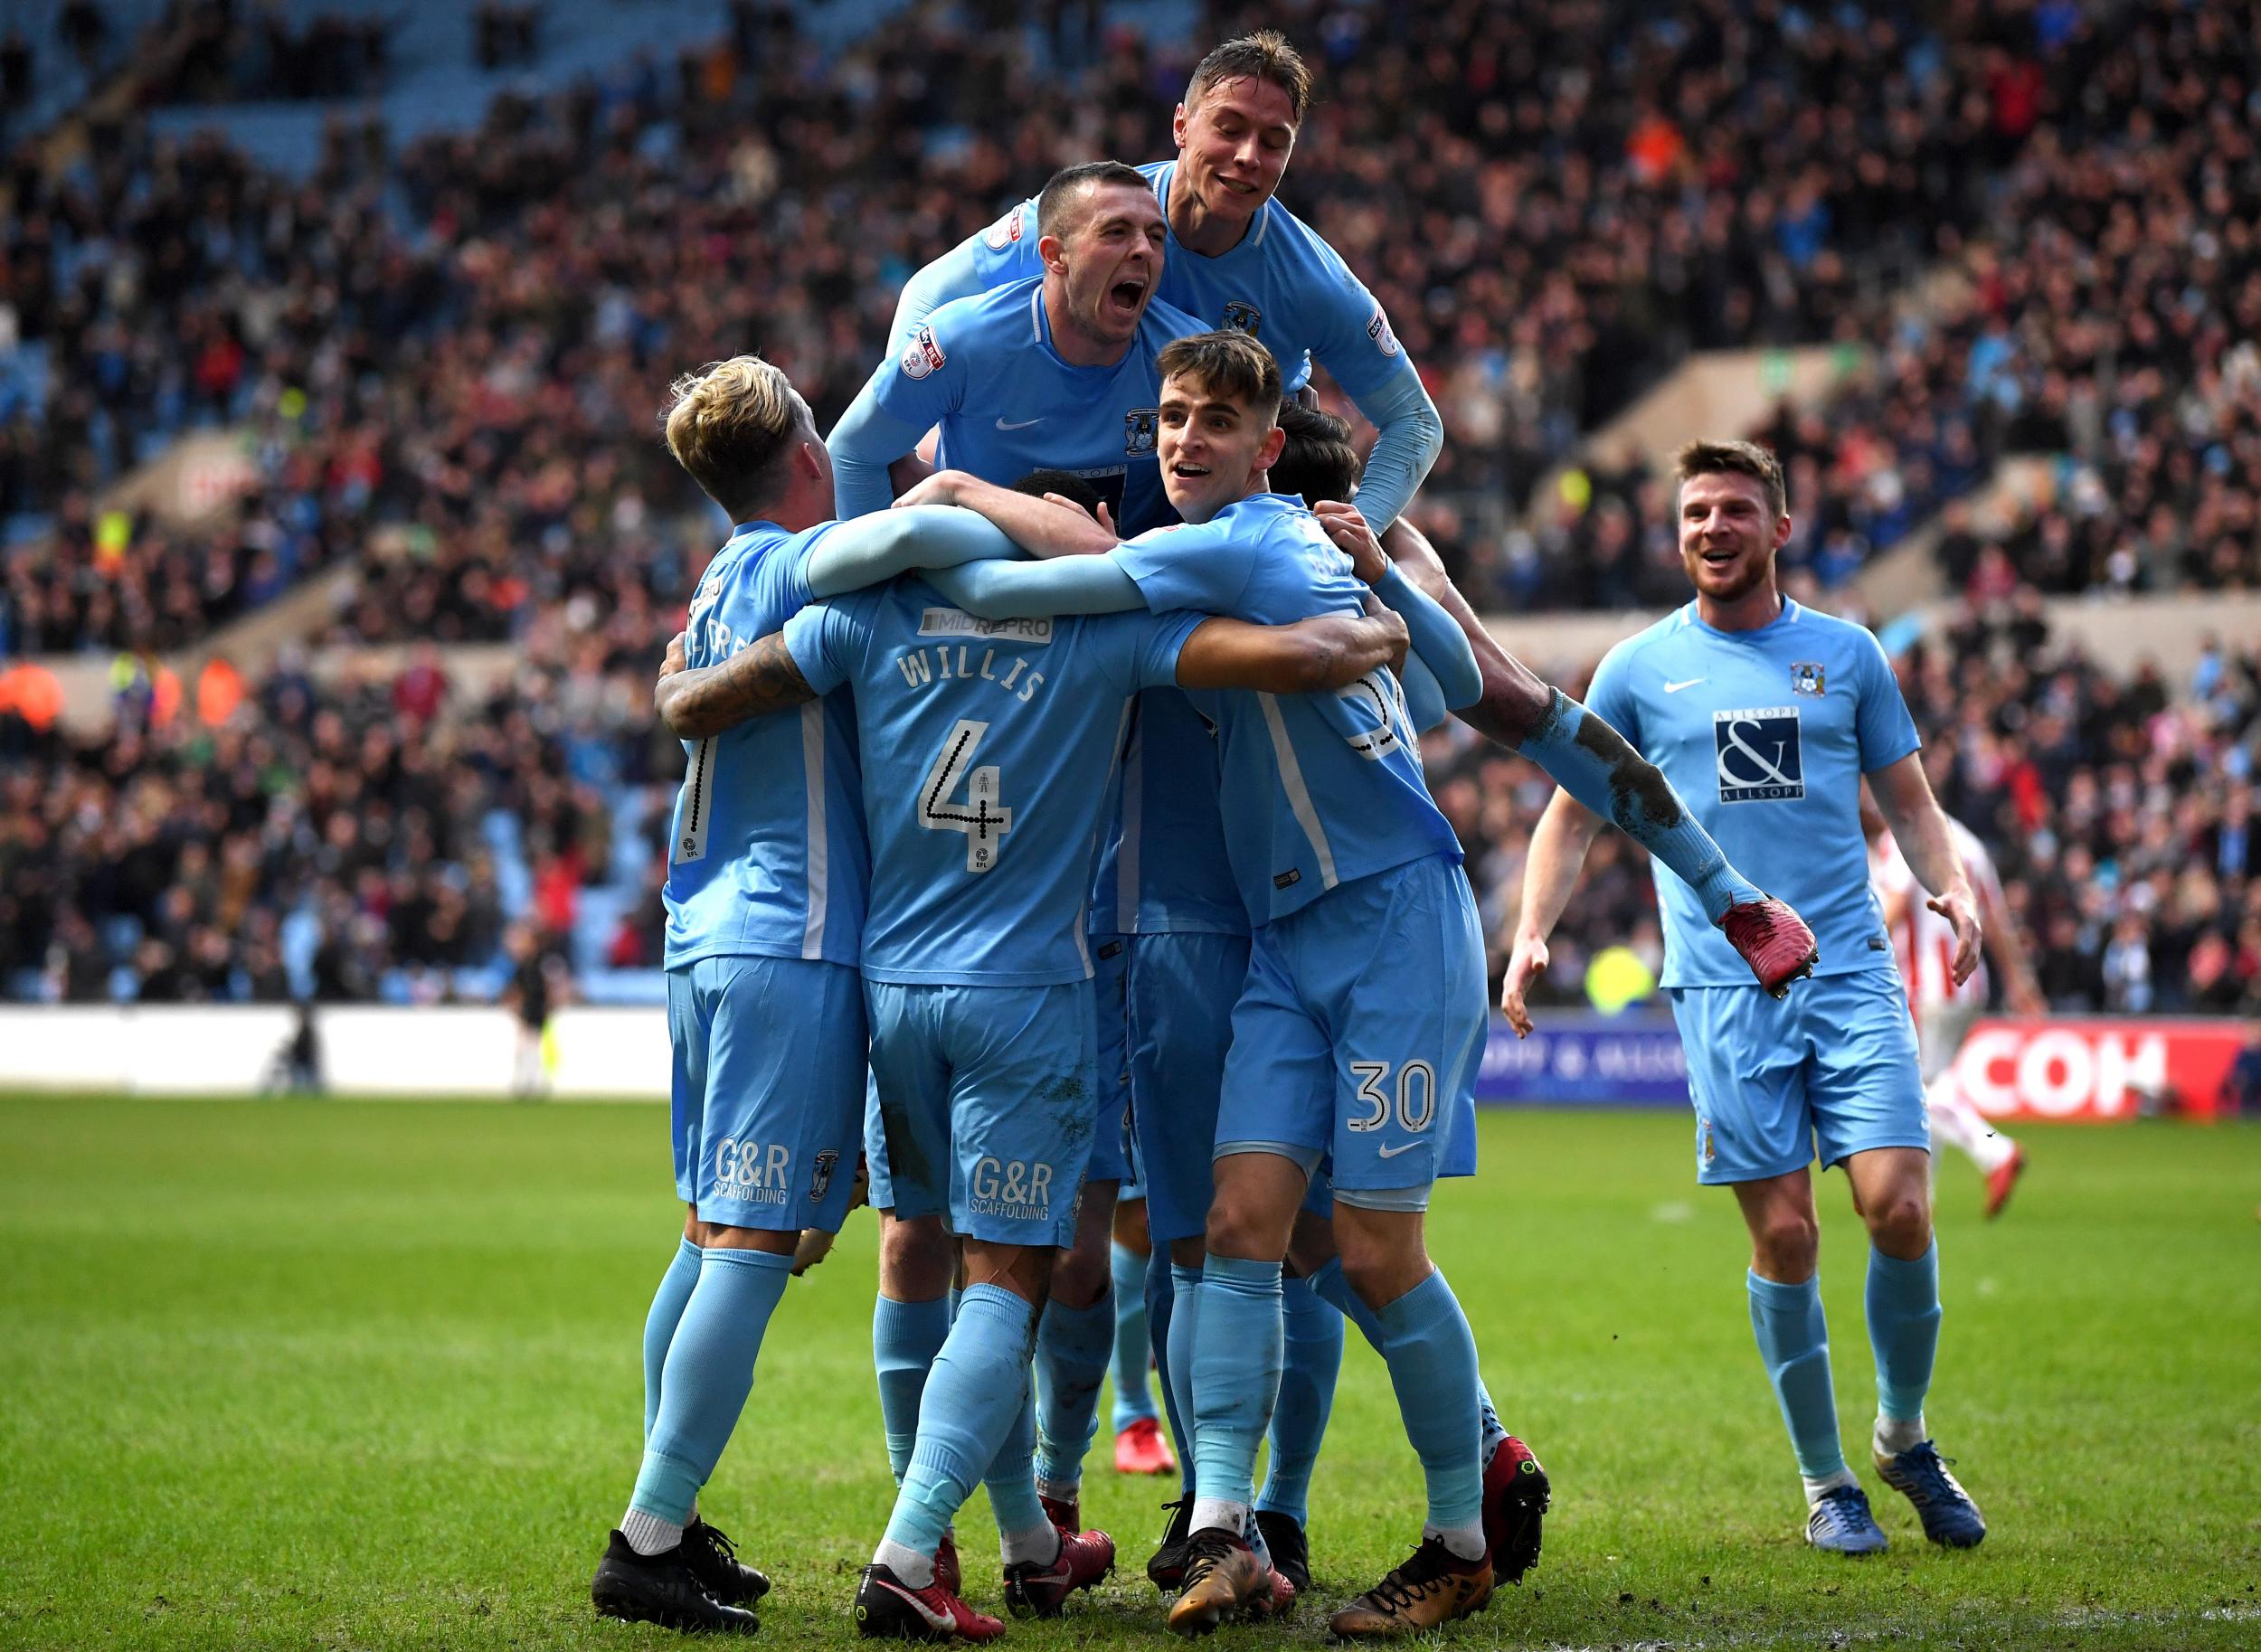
[766, 852]
[1765, 735]
[988, 745]
[1163, 869]
[1316, 790]
[983, 369]
[1282, 285]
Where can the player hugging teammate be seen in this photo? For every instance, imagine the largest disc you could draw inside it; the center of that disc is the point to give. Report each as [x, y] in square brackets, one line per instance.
[952, 762]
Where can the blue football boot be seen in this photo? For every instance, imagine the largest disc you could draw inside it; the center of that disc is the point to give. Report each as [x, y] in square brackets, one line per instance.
[1920, 1474]
[1841, 1522]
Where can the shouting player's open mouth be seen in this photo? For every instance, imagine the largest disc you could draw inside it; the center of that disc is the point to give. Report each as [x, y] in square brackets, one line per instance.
[1126, 295]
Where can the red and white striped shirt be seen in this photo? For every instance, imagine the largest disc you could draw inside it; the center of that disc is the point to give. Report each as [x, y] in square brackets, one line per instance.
[1922, 941]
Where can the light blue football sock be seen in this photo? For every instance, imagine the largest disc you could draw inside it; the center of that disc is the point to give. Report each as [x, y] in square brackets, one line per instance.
[659, 1324]
[708, 1373]
[1134, 1400]
[1793, 1340]
[1431, 1356]
[1310, 1360]
[1011, 1479]
[974, 1399]
[1592, 761]
[1328, 1285]
[1074, 1345]
[905, 1338]
[1903, 1303]
[1185, 1322]
[1236, 1356]
[1161, 1328]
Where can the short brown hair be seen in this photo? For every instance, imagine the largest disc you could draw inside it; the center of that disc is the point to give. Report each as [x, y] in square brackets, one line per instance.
[1227, 364]
[1069, 190]
[1264, 55]
[1317, 460]
[1747, 459]
[729, 423]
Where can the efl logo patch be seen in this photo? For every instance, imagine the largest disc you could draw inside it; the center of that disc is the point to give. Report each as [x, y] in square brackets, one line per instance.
[1139, 427]
[1806, 677]
[1241, 317]
[1006, 230]
[1758, 755]
[923, 355]
[1379, 331]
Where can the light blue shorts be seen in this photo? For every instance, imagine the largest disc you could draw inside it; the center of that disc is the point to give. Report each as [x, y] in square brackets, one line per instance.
[1182, 990]
[1111, 969]
[984, 1105]
[768, 1056]
[1356, 1037]
[1831, 1069]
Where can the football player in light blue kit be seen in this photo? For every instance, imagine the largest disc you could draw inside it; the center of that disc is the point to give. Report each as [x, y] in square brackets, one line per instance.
[1237, 259]
[765, 893]
[1052, 369]
[1354, 1038]
[1768, 714]
[986, 753]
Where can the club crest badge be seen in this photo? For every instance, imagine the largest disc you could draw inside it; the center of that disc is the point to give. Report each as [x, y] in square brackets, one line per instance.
[827, 1162]
[1806, 677]
[1139, 426]
[1241, 317]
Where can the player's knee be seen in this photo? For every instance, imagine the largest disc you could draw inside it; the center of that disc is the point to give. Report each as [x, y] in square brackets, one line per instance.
[1080, 1279]
[914, 1258]
[1899, 1224]
[1788, 1244]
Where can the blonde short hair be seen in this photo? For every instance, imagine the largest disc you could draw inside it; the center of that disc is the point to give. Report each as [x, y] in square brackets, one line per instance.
[728, 423]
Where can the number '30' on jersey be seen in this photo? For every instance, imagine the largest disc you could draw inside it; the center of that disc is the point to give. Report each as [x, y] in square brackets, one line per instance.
[988, 747]
[766, 855]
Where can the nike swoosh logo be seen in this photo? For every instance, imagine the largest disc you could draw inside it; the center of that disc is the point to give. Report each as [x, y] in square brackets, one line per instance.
[1674, 688]
[1021, 425]
[1402, 1146]
[941, 1621]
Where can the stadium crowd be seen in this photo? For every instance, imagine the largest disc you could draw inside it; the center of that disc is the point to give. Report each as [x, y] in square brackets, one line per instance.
[1741, 175]
[405, 824]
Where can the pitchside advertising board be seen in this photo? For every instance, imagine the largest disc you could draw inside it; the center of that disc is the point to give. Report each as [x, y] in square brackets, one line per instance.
[2094, 1070]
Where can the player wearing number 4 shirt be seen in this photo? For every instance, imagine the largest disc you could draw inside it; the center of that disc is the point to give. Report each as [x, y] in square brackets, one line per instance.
[1766, 716]
[987, 751]
[765, 897]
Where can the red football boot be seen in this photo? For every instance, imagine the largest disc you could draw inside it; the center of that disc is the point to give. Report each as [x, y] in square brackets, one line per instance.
[888, 1608]
[1774, 941]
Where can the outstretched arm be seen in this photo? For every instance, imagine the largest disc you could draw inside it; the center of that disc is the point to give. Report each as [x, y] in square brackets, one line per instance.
[1310, 656]
[872, 550]
[864, 444]
[1437, 637]
[1412, 436]
[1550, 873]
[1027, 590]
[1515, 699]
[759, 677]
[1043, 527]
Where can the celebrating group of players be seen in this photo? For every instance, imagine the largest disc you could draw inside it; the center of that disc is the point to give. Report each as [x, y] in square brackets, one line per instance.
[997, 827]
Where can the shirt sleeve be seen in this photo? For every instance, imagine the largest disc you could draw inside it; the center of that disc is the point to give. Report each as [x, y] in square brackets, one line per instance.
[1888, 733]
[825, 641]
[1610, 695]
[1352, 336]
[1186, 565]
[1141, 650]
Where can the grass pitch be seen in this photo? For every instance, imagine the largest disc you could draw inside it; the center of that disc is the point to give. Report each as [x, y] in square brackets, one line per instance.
[330, 1375]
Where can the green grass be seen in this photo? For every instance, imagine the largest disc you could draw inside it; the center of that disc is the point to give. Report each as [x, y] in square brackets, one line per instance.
[363, 1375]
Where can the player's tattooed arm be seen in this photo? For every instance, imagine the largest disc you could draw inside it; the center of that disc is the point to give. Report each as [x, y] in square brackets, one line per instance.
[759, 678]
[1516, 699]
[1310, 656]
[1040, 527]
